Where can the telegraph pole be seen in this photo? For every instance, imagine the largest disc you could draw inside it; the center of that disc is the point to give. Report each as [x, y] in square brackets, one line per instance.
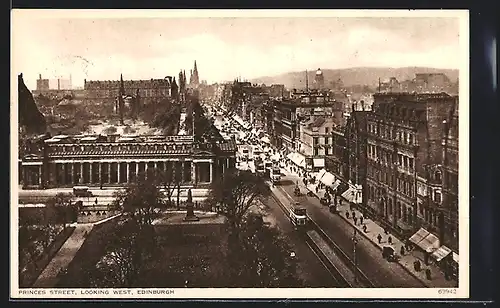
[355, 243]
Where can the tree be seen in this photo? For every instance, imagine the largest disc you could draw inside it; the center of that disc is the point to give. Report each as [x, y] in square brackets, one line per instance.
[141, 198]
[61, 209]
[128, 250]
[234, 193]
[110, 130]
[263, 257]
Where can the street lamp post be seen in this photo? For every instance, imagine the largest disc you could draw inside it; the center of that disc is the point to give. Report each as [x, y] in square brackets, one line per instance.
[355, 242]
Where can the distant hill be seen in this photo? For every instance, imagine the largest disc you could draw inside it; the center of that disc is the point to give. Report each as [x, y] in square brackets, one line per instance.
[353, 76]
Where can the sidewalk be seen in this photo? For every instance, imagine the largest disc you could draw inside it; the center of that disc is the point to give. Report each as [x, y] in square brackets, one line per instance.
[49, 276]
[373, 230]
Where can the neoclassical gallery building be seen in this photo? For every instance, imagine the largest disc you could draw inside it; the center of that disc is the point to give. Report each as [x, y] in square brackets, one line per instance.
[66, 161]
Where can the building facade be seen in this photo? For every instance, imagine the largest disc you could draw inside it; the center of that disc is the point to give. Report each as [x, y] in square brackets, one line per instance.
[404, 136]
[302, 107]
[66, 161]
[450, 178]
[315, 141]
[108, 91]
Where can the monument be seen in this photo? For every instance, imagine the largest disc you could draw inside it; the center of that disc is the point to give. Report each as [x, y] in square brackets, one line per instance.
[190, 216]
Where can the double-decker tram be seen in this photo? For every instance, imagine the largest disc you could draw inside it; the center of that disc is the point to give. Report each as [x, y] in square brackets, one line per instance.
[298, 216]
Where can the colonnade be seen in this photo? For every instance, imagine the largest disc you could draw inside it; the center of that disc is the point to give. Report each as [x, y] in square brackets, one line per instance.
[91, 172]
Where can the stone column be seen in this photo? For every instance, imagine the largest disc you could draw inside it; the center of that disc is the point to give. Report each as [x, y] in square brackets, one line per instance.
[193, 173]
[81, 173]
[109, 172]
[128, 172]
[119, 165]
[156, 165]
[91, 173]
[182, 172]
[211, 171]
[72, 173]
[40, 175]
[136, 169]
[99, 169]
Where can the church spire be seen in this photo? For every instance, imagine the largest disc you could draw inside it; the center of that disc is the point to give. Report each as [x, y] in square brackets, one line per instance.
[195, 78]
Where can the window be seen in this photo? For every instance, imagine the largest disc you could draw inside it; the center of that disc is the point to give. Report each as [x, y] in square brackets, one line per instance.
[437, 196]
[327, 130]
[410, 139]
[437, 175]
[316, 141]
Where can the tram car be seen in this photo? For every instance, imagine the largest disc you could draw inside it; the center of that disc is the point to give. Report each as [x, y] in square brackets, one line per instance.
[275, 174]
[298, 215]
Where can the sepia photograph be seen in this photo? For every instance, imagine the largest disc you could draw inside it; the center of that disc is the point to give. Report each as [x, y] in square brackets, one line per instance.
[239, 154]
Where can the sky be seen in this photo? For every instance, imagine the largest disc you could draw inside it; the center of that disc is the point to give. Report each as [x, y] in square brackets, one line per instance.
[103, 47]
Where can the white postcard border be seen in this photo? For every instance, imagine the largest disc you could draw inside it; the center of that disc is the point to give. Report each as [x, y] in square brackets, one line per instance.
[304, 293]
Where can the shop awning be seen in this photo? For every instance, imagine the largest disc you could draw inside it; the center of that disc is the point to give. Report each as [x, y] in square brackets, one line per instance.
[455, 257]
[335, 184]
[350, 195]
[327, 179]
[320, 174]
[297, 159]
[430, 243]
[419, 236]
[441, 253]
[318, 162]
[265, 140]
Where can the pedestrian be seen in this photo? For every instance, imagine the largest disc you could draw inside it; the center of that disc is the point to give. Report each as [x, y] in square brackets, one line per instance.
[364, 228]
[379, 238]
[361, 219]
[353, 214]
[347, 214]
[316, 189]
[389, 240]
[385, 231]
[402, 250]
[355, 220]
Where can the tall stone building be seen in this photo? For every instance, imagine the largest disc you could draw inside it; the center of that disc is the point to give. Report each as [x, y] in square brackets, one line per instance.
[404, 151]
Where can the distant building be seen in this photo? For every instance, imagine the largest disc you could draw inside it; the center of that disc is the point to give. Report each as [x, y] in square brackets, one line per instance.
[42, 84]
[315, 141]
[107, 91]
[302, 106]
[53, 84]
[319, 80]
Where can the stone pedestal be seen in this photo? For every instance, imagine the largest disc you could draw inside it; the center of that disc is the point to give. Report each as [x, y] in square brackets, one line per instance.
[190, 216]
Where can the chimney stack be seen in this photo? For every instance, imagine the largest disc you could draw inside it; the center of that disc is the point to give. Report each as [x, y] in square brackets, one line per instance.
[40, 76]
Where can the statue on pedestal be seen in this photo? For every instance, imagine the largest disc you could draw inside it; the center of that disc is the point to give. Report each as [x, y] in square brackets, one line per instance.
[190, 216]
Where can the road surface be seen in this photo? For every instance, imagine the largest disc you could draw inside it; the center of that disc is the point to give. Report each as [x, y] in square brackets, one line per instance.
[310, 267]
[369, 258]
